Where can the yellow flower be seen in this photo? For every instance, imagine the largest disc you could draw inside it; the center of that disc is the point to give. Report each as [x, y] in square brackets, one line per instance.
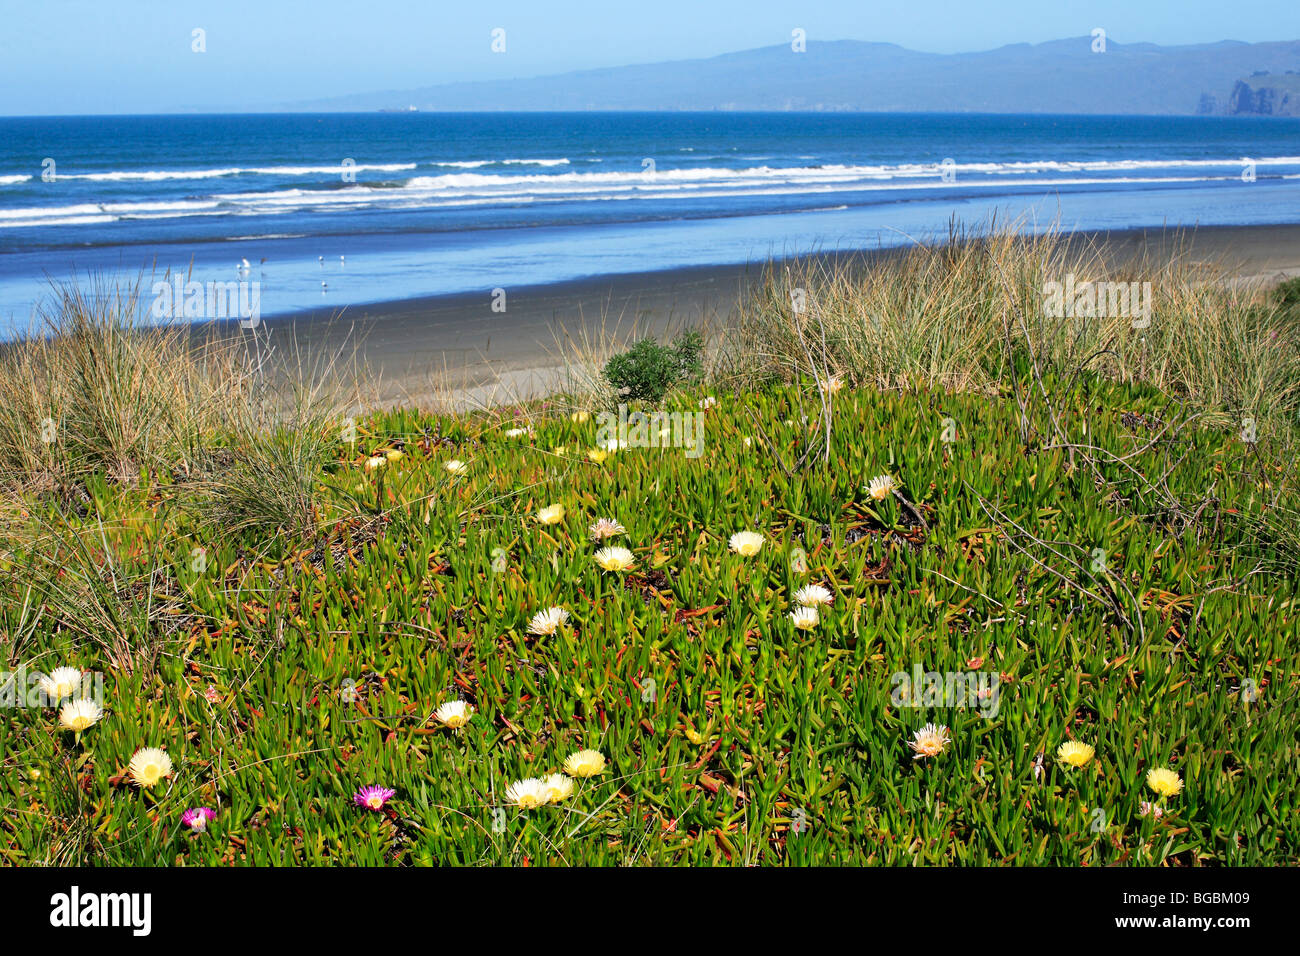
[456, 466]
[60, 683]
[77, 715]
[394, 455]
[930, 741]
[558, 787]
[1074, 752]
[585, 763]
[559, 450]
[551, 515]
[149, 765]
[615, 559]
[528, 794]
[746, 543]
[881, 487]
[597, 455]
[804, 618]
[579, 417]
[455, 713]
[1165, 782]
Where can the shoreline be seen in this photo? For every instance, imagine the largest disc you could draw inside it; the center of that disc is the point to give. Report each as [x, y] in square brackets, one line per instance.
[413, 349]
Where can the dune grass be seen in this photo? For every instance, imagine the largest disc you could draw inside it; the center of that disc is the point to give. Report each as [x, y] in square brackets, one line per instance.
[1100, 545]
[953, 315]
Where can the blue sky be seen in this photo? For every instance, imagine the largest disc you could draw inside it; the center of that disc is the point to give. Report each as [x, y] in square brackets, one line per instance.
[130, 56]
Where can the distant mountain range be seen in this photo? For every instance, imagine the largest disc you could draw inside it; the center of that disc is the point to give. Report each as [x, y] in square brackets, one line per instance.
[1061, 76]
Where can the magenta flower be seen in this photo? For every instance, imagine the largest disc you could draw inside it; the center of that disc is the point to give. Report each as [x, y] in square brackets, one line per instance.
[373, 797]
[196, 818]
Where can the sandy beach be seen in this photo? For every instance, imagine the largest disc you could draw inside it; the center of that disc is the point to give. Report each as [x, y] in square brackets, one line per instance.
[413, 350]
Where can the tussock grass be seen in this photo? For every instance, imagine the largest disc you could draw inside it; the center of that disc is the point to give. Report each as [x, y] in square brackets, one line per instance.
[276, 441]
[95, 389]
[98, 595]
[958, 315]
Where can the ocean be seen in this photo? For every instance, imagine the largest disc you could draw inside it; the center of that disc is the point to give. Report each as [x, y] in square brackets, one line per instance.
[334, 210]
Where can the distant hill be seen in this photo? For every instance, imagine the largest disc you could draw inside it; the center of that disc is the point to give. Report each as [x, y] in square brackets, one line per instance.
[1062, 76]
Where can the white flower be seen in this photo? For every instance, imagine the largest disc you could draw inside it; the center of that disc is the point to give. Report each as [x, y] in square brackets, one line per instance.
[558, 787]
[552, 514]
[60, 683]
[518, 432]
[613, 444]
[548, 622]
[375, 461]
[930, 741]
[746, 543]
[615, 559]
[456, 466]
[585, 763]
[603, 528]
[149, 765]
[708, 401]
[811, 595]
[455, 713]
[881, 487]
[832, 385]
[77, 715]
[804, 618]
[528, 794]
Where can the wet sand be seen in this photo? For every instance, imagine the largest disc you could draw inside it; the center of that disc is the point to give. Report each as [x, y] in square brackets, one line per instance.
[413, 351]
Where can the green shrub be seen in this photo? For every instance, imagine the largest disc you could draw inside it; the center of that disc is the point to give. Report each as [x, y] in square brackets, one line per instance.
[647, 370]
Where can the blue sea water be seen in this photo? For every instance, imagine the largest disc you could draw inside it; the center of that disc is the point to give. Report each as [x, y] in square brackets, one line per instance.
[339, 210]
